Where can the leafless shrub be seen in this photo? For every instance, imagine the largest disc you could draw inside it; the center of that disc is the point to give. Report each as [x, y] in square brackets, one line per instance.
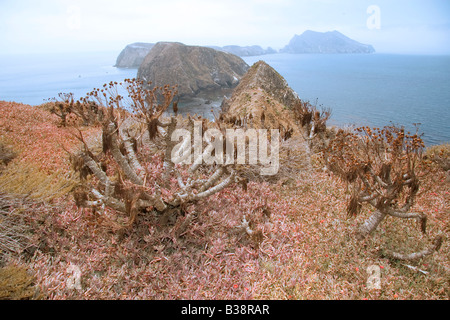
[440, 155]
[86, 111]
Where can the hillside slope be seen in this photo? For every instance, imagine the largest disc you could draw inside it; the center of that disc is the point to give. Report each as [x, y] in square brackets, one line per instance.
[307, 249]
[41, 166]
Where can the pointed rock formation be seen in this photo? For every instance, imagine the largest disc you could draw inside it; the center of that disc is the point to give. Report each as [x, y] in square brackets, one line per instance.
[263, 99]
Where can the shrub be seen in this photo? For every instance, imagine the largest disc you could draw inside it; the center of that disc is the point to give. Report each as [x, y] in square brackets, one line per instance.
[382, 168]
[126, 178]
[440, 155]
[71, 111]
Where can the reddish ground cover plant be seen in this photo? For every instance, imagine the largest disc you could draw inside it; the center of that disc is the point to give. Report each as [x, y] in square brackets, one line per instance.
[305, 251]
[383, 169]
[34, 134]
[284, 240]
[41, 167]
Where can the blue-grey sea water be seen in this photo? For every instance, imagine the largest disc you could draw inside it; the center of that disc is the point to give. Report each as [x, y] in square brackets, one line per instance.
[32, 79]
[373, 89]
[360, 89]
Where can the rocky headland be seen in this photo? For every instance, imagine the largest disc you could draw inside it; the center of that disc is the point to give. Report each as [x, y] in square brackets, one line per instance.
[264, 100]
[194, 69]
[133, 55]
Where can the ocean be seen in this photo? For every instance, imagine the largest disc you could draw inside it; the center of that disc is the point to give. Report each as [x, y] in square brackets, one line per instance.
[360, 89]
[33, 79]
[373, 89]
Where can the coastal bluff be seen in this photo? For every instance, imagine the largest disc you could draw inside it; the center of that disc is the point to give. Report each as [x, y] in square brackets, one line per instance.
[133, 55]
[194, 69]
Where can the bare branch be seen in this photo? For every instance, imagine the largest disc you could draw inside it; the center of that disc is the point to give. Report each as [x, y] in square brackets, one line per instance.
[131, 155]
[119, 157]
[436, 245]
[98, 172]
[411, 215]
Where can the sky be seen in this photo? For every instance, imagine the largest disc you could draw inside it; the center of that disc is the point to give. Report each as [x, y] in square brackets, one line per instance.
[400, 26]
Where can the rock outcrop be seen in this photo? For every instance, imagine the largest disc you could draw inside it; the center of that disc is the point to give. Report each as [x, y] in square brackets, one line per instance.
[263, 99]
[325, 42]
[133, 55]
[194, 69]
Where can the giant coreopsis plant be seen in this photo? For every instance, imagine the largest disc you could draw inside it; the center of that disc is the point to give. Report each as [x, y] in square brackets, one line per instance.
[382, 170]
[86, 110]
[135, 170]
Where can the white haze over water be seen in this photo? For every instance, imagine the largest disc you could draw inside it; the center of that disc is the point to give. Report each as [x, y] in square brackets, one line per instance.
[400, 26]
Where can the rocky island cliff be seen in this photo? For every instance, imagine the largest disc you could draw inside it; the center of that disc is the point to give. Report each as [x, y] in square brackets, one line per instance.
[194, 69]
[133, 55]
[264, 100]
[325, 42]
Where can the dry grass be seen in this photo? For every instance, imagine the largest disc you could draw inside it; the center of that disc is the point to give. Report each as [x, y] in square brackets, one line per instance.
[307, 249]
[16, 283]
[27, 179]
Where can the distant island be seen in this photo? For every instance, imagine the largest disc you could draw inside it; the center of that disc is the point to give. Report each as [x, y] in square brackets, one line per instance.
[245, 51]
[134, 54]
[309, 41]
[325, 42]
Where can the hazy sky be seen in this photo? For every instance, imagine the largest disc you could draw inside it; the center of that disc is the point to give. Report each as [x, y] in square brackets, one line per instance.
[401, 26]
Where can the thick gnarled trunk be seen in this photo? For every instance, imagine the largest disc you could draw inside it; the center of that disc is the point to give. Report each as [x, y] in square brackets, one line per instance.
[112, 191]
[370, 225]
